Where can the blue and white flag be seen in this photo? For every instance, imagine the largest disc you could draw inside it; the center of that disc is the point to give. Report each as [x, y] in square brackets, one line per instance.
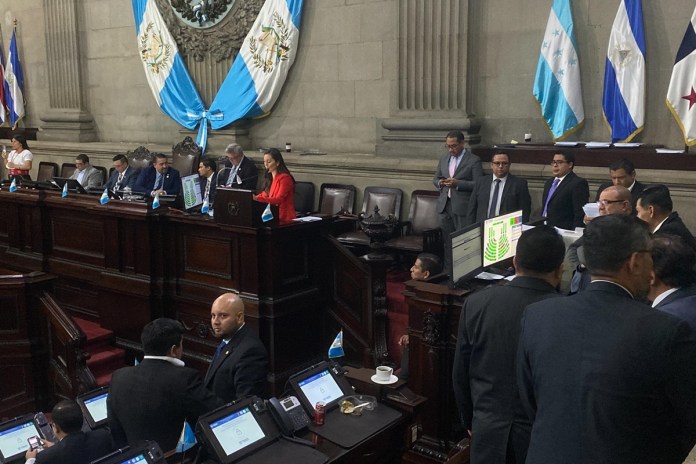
[624, 73]
[259, 70]
[104, 199]
[156, 202]
[681, 95]
[557, 86]
[336, 348]
[205, 207]
[267, 215]
[13, 185]
[14, 84]
[187, 439]
[64, 193]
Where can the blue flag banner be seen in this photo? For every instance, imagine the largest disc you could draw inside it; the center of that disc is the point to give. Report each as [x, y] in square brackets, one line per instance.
[14, 83]
[624, 73]
[557, 86]
[64, 193]
[267, 215]
[104, 199]
[206, 206]
[336, 348]
[681, 95]
[156, 202]
[13, 185]
[186, 440]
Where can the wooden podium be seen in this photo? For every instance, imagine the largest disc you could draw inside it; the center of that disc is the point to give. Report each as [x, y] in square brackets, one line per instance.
[236, 207]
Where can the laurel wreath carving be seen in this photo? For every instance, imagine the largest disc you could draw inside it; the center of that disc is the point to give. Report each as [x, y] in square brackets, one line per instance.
[283, 34]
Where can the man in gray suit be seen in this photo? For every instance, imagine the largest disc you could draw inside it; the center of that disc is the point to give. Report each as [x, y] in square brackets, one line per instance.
[86, 175]
[455, 176]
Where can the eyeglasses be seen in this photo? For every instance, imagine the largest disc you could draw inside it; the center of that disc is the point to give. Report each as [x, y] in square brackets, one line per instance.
[453, 147]
[609, 202]
[499, 163]
[557, 162]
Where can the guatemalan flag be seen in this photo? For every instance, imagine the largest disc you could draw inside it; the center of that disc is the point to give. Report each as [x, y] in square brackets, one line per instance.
[681, 96]
[14, 83]
[624, 74]
[557, 86]
[259, 70]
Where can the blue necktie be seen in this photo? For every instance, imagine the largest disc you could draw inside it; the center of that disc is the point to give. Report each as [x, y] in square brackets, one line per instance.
[220, 347]
[159, 181]
[494, 199]
[556, 181]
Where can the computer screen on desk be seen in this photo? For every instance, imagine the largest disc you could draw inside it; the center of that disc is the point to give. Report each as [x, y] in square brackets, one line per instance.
[322, 382]
[466, 254]
[191, 190]
[500, 236]
[13, 437]
[93, 405]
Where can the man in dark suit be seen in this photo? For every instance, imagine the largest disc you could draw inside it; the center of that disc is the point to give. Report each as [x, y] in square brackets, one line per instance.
[238, 171]
[564, 194]
[499, 194]
[152, 400]
[654, 206]
[159, 178]
[208, 179]
[123, 175]
[455, 176]
[673, 286]
[240, 363]
[623, 173]
[604, 377]
[74, 445]
[484, 380]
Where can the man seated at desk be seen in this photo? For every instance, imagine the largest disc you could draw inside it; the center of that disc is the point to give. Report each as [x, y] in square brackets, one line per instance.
[623, 173]
[208, 179]
[74, 445]
[159, 178]
[240, 363]
[151, 400]
[87, 175]
[123, 176]
[239, 171]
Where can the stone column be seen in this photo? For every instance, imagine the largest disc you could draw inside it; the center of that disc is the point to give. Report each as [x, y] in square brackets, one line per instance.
[67, 119]
[432, 71]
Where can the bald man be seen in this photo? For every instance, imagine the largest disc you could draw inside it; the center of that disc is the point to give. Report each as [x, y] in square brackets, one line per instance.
[239, 367]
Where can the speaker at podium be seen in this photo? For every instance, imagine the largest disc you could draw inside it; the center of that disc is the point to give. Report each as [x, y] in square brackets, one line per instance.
[237, 207]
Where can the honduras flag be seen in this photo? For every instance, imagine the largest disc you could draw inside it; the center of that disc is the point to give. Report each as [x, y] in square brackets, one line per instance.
[557, 83]
[681, 96]
[64, 193]
[13, 185]
[336, 348]
[14, 83]
[104, 199]
[267, 215]
[624, 74]
[261, 67]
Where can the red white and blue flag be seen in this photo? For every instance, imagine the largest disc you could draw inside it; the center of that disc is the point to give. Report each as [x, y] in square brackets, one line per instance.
[681, 95]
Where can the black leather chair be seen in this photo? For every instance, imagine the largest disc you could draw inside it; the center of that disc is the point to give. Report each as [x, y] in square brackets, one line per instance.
[304, 198]
[47, 171]
[67, 169]
[336, 197]
[101, 169]
[387, 199]
[421, 232]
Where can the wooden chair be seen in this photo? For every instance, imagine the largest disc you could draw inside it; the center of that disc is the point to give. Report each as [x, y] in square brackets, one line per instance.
[336, 197]
[139, 158]
[185, 157]
[387, 199]
[47, 171]
[421, 232]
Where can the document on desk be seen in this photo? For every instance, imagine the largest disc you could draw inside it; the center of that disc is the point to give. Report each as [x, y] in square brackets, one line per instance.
[307, 219]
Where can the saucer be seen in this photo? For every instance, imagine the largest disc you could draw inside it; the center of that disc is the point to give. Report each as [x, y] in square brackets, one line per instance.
[391, 380]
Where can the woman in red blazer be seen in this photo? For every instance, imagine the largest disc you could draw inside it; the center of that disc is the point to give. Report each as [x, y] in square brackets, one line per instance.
[279, 186]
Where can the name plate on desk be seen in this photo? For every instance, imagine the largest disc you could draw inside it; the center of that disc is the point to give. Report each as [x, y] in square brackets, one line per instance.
[235, 207]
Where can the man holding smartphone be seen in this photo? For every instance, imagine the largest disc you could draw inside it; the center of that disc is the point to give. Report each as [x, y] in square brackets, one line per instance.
[74, 446]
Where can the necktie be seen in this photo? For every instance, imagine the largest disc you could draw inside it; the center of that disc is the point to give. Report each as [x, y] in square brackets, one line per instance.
[233, 174]
[551, 191]
[207, 188]
[220, 347]
[494, 200]
[158, 182]
[452, 168]
[118, 181]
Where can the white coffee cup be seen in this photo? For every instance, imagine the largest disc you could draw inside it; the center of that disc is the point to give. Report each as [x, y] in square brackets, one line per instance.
[383, 373]
[527, 137]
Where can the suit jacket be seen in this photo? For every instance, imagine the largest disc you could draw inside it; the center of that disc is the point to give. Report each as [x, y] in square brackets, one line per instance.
[247, 173]
[515, 197]
[281, 193]
[681, 304]
[565, 207]
[607, 379]
[151, 401]
[129, 178]
[674, 225]
[240, 369]
[77, 448]
[483, 377]
[147, 177]
[213, 188]
[637, 189]
[92, 177]
[467, 172]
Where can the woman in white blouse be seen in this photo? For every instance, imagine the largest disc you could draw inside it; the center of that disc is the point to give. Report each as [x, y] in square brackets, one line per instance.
[18, 161]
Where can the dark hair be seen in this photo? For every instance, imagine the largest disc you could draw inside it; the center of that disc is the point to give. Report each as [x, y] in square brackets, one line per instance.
[456, 135]
[540, 250]
[501, 152]
[68, 415]
[159, 156]
[121, 158]
[282, 168]
[22, 140]
[656, 196]
[82, 157]
[673, 260]
[611, 240]
[569, 156]
[160, 335]
[625, 164]
[430, 263]
[209, 163]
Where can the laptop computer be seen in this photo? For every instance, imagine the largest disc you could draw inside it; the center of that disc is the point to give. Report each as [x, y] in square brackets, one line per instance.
[73, 184]
[93, 405]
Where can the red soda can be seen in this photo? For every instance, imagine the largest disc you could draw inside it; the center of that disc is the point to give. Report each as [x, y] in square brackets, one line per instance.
[319, 413]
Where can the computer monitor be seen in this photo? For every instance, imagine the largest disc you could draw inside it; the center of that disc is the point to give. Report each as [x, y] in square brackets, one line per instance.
[500, 236]
[322, 382]
[73, 184]
[93, 405]
[466, 252]
[14, 435]
[191, 191]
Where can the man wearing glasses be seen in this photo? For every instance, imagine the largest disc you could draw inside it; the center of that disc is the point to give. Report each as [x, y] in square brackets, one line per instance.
[455, 176]
[499, 194]
[239, 171]
[564, 194]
